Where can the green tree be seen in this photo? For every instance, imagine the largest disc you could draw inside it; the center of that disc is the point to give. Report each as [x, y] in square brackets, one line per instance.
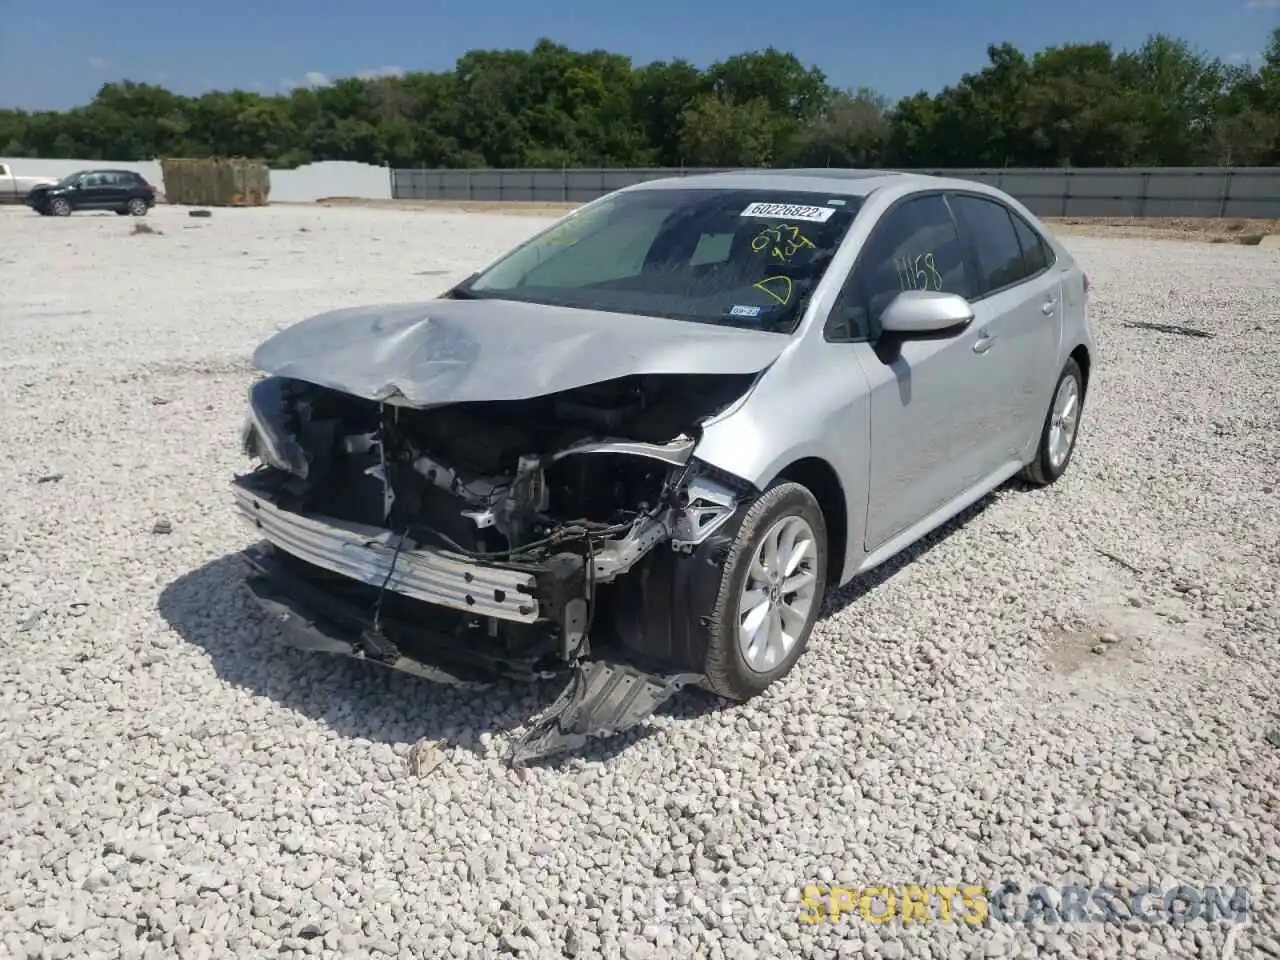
[715, 132]
[850, 131]
[1080, 104]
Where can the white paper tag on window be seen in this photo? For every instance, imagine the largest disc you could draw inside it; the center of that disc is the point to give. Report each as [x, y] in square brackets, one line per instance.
[789, 211]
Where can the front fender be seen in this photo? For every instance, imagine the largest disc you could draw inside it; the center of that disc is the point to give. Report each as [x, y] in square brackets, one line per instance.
[811, 404]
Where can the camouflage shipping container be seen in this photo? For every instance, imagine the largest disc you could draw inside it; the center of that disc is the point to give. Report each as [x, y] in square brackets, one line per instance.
[216, 181]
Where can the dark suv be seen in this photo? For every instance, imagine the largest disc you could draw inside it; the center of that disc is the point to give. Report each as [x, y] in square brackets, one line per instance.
[125, 192]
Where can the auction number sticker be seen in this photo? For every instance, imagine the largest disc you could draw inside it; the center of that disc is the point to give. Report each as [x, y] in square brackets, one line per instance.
[789, 211]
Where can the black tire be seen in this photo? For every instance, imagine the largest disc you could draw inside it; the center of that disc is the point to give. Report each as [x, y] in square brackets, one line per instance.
[60, 207]
[1042, 470]
[727, 671]
[122, 213]
[137, 207]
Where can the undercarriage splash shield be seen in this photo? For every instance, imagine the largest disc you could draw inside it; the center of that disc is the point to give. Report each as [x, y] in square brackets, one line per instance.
[601, 699]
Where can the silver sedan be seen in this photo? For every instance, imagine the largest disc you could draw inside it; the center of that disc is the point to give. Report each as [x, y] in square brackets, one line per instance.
[643, 445]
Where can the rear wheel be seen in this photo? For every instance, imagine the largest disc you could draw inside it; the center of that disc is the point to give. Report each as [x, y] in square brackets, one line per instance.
[774, 579]
[1061, 426]
[137, 207]
[60, 207]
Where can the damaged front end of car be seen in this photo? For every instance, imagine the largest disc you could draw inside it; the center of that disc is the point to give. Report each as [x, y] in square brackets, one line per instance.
[522, 538]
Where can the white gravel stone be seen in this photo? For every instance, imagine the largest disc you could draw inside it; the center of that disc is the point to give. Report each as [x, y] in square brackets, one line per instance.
[176, 785]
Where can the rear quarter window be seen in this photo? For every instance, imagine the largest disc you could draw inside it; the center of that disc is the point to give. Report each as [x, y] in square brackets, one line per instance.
[1036, 254]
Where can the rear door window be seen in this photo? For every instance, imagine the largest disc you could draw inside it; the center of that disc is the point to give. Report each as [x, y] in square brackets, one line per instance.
[990, 226]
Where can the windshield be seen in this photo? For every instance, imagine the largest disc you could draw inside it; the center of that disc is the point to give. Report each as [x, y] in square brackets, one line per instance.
[70, 178]
[745, 258]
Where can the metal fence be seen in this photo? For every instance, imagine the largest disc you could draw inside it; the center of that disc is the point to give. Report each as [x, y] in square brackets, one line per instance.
[1050, 192]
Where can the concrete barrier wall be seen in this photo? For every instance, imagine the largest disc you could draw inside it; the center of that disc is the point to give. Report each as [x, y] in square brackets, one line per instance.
[1048, 192]
[303, 185]
[1147, 192]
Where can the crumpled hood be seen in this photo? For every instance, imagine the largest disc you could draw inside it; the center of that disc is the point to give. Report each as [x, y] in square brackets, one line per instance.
[454, 351]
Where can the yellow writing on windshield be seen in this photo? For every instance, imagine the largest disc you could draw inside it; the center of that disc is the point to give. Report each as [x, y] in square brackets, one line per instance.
[564, 237]
[782, 241]
[779, 288]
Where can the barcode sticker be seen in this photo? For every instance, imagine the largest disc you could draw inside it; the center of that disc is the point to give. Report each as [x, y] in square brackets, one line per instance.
[789, 211]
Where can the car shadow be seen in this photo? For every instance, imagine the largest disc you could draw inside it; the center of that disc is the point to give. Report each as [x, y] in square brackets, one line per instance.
[859, 587]
[210, 608]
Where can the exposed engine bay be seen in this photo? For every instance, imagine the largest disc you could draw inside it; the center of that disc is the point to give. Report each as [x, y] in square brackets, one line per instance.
[496, 480]
[493, 537]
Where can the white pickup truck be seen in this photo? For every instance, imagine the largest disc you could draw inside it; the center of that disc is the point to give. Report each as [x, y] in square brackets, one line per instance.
[15, 189]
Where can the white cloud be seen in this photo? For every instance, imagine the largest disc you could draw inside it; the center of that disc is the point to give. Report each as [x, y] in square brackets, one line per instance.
[97, 63]
[377, 72]
[1264, 4]
[311, 80]
[314, 79]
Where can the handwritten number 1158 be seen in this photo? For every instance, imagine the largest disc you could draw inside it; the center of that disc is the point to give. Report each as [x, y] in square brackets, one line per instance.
[918, 273]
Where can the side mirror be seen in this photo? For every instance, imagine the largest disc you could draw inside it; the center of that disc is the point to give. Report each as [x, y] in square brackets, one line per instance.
[926, 315]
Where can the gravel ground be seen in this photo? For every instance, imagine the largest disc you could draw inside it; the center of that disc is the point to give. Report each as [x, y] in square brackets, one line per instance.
[1008, 704]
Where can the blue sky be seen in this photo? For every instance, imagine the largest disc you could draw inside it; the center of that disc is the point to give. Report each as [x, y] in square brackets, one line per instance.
[58, 56]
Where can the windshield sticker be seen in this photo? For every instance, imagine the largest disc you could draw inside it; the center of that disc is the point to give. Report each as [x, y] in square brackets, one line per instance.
[782, 241]
[743, 310]
[778, 287]
[789, 211]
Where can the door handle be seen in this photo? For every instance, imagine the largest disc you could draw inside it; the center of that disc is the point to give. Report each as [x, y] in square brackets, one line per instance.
[983, 343]
[1048, 307]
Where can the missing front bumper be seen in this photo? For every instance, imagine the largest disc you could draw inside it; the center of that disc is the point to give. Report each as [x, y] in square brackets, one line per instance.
[602, 697]
[317, 619]
[369, 555]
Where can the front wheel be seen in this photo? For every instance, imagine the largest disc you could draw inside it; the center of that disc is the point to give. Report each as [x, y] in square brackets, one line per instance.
[771, 588]
[1061, 426]
[60, 207]
[137, 207]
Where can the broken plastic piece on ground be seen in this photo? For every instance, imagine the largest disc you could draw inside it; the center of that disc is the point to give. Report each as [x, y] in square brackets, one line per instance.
[424, 758]
[601, 699]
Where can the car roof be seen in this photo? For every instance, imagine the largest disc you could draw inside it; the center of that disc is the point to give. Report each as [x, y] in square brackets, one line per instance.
[835, 180]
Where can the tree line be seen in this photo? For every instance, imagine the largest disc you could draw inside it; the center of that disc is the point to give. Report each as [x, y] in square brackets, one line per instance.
[1081, 105]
